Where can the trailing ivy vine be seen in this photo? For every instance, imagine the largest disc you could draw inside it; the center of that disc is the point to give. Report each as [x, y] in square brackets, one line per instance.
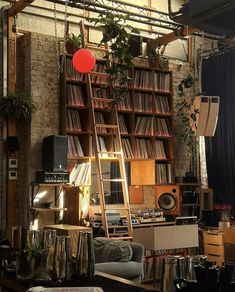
[187, 114]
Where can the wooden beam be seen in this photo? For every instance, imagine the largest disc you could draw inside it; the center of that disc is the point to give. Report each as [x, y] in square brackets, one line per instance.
[179, 33]
[11, 127]
[18, 7]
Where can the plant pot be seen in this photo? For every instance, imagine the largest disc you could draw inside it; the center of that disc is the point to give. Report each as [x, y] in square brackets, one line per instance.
[70, 48]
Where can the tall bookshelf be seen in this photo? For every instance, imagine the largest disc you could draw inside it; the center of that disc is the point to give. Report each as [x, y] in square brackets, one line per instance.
[145, 119]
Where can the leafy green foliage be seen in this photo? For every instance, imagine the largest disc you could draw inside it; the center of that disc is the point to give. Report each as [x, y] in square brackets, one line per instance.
[18, 105]
[187, 114]
[116, 33]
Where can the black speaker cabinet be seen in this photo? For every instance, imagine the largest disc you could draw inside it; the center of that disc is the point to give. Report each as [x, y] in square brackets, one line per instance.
[167, 199]
[54, 153]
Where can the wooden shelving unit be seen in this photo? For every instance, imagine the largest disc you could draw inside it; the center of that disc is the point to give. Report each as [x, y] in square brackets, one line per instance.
[145, 118]
[57, 189]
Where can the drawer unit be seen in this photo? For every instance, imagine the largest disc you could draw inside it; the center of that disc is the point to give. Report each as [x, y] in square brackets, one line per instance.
[213, 246]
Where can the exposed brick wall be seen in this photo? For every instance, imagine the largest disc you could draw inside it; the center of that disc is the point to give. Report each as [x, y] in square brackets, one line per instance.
[37, 74]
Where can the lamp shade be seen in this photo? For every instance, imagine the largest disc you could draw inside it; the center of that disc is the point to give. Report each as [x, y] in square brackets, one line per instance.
[83, 60]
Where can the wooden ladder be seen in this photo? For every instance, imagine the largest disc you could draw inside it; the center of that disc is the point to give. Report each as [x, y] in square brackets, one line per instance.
[114, 153]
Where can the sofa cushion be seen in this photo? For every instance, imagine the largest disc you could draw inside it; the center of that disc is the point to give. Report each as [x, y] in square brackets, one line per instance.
[111, 250]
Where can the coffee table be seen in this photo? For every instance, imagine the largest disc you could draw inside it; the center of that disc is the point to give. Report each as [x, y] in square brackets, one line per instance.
[106, 282]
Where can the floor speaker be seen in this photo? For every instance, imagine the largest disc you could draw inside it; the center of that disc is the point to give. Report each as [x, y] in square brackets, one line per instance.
[167, 199]
[54, 153]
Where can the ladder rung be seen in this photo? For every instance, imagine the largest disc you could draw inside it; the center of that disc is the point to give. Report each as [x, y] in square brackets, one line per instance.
[109, 158]
[99, 74]
[102, 99]
[106, 126]
[96, 48]
[116, 208]
[113, 179]
[122, 237]
[110, 152]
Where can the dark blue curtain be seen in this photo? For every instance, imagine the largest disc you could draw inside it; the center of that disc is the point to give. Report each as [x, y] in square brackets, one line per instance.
[218, 78]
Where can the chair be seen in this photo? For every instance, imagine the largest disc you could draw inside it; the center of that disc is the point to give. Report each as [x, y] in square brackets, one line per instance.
[119, 258]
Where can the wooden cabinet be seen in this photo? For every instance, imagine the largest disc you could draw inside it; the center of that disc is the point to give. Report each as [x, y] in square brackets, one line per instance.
[145, 120]
[214, 246]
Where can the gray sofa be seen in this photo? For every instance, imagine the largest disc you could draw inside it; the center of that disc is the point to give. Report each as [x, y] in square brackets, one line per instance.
[119, 258]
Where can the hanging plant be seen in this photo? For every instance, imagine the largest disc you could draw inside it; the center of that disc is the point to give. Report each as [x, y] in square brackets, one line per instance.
[18, 106]
[73, 43]
[116, 33]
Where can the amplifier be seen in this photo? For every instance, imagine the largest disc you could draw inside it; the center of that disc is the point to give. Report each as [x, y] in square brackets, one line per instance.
[51, 177]
[189, 197]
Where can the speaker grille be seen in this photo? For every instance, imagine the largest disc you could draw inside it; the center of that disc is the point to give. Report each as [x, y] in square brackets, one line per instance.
[167, 201]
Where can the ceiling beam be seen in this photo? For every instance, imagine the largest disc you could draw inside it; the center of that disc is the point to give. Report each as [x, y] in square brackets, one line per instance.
[173, 36]
[18, 7]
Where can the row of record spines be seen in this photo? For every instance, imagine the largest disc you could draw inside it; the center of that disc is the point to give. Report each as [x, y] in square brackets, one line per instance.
[142, 102]
[144, 149]
[73, 120]
[153, 126]
[75, 95]
[145, 102]
[148, 126]
[80, 174]
[143, 79]
[164, 173]
[157, 81]
[74, 147]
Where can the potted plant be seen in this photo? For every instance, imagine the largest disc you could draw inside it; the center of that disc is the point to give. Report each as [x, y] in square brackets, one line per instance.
[17, 105]
[73, 43]
[155, 55]
[225, 215]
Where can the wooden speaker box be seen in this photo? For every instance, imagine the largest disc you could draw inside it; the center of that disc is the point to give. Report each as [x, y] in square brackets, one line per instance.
[167, 199]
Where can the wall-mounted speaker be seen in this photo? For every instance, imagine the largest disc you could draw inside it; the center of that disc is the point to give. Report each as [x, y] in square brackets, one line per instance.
[208, 107]
[167, 199]
[54, 153]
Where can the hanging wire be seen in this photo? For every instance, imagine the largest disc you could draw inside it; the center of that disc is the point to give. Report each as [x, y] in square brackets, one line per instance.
[60, 66]
[56, 42]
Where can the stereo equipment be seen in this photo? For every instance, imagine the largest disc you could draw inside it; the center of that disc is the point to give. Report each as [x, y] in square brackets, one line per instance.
[54, 153]
[186, 220]
[112, 218]
[206, 119]
[167, 199]
[152, 220]
[189, 197]
[51, 177]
